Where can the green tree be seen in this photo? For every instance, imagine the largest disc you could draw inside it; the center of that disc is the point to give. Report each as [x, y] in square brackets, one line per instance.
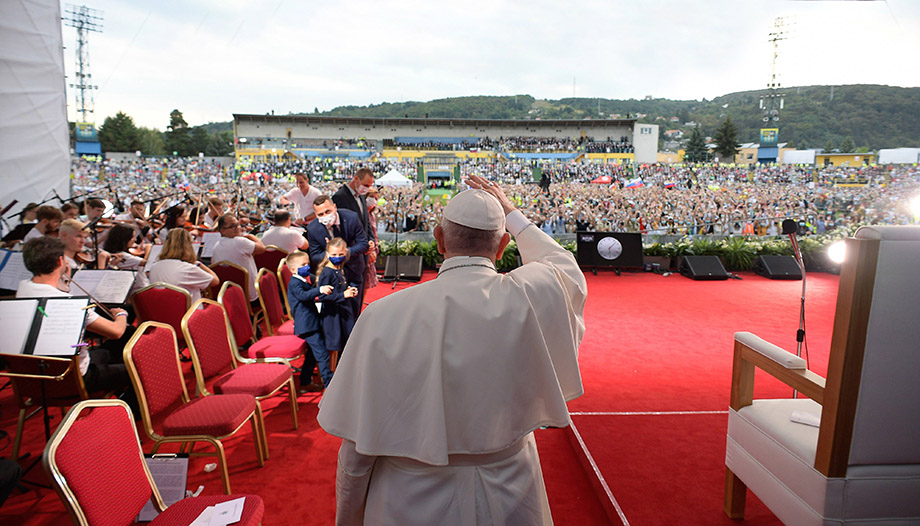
[178, 135]
[151, 141]
[220, 144]
[829, 147]
[119, 134]
[847, 145]
[696, 147]
[726, 140]
[199, 140]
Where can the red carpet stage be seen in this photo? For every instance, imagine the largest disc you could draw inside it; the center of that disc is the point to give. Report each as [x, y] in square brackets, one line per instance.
[648, 441]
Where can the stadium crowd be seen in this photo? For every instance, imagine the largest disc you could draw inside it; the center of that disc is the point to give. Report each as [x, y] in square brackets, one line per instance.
[655, 198]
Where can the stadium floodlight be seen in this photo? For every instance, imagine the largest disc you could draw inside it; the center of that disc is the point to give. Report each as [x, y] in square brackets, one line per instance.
[837, 252]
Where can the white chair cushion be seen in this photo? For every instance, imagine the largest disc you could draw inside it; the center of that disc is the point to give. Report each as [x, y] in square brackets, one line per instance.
[785, 450]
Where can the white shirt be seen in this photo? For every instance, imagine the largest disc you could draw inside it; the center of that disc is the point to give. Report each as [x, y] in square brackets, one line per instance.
[181, 274]
[303, 204]
[31, 234]
[238, 250]
[287, 239]
[30, 289]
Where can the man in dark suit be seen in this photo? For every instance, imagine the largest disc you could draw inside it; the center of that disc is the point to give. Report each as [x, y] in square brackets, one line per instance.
[352, 196]
[332, 222]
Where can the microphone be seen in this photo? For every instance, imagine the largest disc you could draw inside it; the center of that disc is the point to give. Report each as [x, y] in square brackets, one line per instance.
[56, 196]
[790, 226]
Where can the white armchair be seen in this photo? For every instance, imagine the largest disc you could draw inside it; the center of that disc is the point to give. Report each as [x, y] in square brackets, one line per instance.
[862, 465]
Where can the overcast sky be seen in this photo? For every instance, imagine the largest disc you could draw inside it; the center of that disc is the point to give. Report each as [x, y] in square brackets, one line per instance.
[213, 58]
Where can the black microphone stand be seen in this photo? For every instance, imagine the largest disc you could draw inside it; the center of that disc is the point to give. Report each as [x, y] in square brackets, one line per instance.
[790, 229]
[92, 228]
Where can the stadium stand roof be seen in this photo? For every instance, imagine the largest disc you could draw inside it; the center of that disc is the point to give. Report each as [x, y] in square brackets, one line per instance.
[387, 121]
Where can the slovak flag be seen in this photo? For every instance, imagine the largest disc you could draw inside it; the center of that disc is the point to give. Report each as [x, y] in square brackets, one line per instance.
[634, 183]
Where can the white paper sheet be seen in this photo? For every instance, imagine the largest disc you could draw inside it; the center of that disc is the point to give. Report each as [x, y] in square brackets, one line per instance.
[208, 240]
[153, 257]
[13, 271]
[15, 323]
[62, 327]
[170, 474]
[227, 512]
[107, 286]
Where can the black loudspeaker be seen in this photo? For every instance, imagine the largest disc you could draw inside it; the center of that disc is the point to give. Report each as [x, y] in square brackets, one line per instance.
[777, 267]
[703, 268]
[410, 267]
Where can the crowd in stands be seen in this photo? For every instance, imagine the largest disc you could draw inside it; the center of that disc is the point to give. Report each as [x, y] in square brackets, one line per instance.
[522, 144]
[669, 199]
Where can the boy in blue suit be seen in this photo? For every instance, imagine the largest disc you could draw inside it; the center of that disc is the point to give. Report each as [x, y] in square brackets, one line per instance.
[302, 297]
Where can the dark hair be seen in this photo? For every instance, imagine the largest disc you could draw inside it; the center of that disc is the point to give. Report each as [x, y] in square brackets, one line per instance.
[41, 255]
[48, 212]
[364, 172]
[95, 203]
[69, 206]
[321, 199]
[172, 216]
[136, 202]
[281, 216]
[223, 220]
[118, 239]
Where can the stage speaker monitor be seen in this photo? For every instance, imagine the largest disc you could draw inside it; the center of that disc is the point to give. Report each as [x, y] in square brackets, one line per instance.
[777, 267]
[703, 268]
[410, 268]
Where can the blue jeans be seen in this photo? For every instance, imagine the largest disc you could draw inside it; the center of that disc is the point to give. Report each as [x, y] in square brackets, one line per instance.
[319, 356]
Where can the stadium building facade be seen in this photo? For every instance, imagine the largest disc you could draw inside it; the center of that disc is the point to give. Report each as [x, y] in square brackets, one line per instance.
[275, 136]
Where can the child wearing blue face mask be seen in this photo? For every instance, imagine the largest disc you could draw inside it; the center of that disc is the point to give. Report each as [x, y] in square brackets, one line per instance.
[336, 313]
[302, 298]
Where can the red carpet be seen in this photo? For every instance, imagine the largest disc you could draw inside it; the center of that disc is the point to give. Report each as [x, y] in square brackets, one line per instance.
[653, 344]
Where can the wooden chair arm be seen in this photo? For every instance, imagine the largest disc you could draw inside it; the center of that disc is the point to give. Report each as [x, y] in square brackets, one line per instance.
[747, 357]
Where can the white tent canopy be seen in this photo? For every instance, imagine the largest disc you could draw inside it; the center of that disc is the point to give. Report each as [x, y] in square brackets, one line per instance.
[35, 156]
[394, 178]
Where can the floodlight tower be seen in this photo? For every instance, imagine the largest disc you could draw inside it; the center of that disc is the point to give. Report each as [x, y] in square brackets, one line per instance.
[772, 101]
[85, 20]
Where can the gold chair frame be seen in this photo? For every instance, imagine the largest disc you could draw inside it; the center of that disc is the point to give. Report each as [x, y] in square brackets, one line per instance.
[60, 483]
[258, 424]
[235, 361]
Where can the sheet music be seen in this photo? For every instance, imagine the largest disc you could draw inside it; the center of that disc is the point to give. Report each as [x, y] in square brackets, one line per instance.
[107, 286]
[170, 474]
[62, 326]
[208, 240]
[13, 271]
[15, 324]
[153, 257]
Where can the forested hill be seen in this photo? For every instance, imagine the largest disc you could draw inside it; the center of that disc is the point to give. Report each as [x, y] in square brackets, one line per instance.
[872, 116]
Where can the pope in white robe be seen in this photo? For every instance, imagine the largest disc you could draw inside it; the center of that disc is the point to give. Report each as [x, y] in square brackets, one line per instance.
[441, 385]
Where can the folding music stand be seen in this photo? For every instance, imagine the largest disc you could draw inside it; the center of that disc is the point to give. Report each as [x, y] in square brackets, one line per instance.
[55, 382]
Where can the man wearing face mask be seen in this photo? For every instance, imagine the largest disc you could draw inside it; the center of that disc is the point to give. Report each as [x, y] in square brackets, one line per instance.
[353, 196]
[332, 222]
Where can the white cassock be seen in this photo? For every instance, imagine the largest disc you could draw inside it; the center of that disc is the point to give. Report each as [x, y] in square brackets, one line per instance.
[441, 386]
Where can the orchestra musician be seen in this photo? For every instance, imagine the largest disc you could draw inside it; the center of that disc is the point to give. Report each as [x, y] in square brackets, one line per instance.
[103, 368]
[177, 265]
[120, 244]
[76, 256]
[49, 220]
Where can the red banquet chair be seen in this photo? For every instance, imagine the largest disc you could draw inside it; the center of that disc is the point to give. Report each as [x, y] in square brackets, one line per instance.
[227, 271]
[164, 303]
[169, 414]
[96, 464]
[269, 348]
[276, 321]
[284, 278]
[270, 258]
[215, 357]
